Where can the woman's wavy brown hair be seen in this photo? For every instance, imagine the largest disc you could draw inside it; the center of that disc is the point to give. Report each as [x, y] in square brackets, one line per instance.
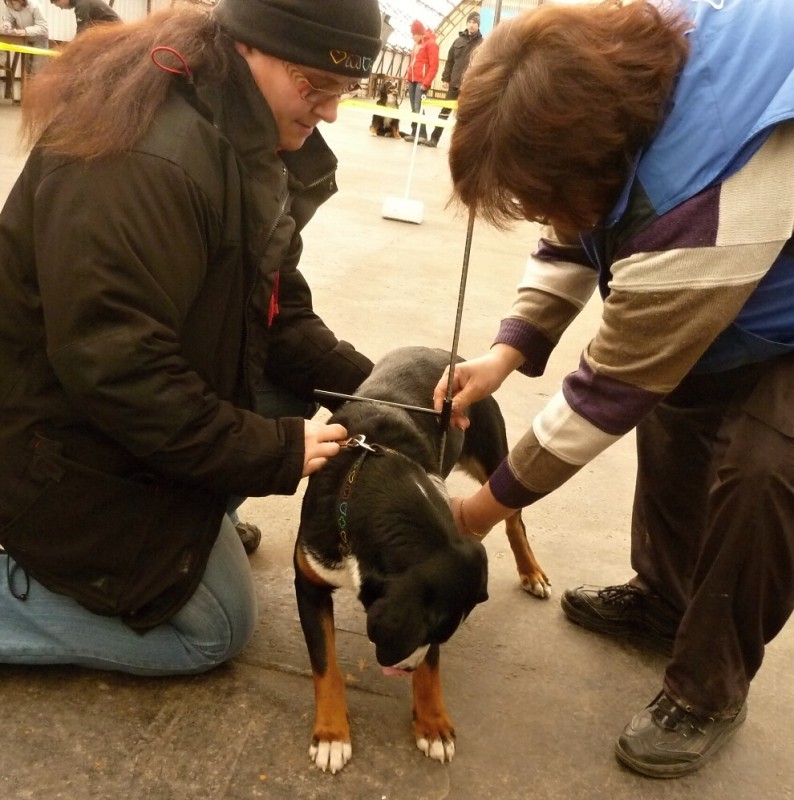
[555, 106]
[100, 96]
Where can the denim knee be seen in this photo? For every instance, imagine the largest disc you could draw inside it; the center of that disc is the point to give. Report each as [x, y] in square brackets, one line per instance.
[220, 618]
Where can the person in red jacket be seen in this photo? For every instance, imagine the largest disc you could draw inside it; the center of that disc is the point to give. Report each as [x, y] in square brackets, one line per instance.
[422, 68]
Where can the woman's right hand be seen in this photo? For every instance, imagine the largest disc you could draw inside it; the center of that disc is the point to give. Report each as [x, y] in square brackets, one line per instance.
[475, 379]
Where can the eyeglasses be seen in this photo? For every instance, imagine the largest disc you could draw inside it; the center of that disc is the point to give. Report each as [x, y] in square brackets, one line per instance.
[312, 94]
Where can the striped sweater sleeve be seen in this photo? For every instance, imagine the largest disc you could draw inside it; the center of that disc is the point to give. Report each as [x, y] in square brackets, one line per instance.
[675, 287]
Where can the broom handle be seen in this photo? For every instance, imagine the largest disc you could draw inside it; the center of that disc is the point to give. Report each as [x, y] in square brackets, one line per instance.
[414, 147]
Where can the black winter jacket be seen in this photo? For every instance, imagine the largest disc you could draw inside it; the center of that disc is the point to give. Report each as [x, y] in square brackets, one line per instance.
[458, 58]
[143, 300]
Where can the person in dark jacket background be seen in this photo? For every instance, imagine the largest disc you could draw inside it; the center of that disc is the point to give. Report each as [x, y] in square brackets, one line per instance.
[88, 12]
[156, 329]
[457, 63]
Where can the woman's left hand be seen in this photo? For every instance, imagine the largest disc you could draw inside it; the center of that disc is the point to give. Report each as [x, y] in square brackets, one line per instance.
[321, 443]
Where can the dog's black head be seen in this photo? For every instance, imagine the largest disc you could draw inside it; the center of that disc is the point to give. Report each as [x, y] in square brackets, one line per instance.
[425, 604]
[387, 95]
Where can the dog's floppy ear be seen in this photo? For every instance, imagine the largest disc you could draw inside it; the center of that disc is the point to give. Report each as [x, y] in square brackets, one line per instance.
[427, 603]
[396, 624]
[473, 569]
[373, 587]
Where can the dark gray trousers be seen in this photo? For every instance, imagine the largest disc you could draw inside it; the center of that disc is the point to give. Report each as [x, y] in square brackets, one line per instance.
[713, 525]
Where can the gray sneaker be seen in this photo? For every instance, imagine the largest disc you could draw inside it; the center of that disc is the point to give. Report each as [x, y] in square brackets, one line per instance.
[250, 535]
[624, 611]
[665, 740]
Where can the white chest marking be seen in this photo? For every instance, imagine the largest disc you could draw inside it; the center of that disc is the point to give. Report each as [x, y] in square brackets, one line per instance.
[346, 575]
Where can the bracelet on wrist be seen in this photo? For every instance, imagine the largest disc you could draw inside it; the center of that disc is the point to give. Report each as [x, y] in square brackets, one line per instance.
[466, 526]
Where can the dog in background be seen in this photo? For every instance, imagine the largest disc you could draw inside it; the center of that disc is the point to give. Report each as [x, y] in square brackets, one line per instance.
[376, 519]
[386, 126]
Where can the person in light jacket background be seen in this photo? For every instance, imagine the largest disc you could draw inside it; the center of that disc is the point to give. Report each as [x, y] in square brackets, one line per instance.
[24, 18]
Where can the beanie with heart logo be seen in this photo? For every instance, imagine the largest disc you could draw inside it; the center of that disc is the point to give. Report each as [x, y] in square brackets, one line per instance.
[340, 36]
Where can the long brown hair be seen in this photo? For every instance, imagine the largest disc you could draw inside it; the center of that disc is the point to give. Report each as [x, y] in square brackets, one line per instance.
[555, 105]
[100, 96]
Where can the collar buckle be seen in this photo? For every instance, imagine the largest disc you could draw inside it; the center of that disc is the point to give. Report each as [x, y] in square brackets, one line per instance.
[360, 440]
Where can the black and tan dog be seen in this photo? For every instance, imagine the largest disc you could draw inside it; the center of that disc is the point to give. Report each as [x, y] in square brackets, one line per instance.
[383, 125]
[376, 518]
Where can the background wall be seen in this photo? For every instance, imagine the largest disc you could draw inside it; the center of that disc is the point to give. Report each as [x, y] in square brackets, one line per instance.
[61, 22]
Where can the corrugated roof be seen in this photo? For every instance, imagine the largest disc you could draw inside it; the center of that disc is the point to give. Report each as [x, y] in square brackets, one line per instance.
[403, 12]
[448, 16]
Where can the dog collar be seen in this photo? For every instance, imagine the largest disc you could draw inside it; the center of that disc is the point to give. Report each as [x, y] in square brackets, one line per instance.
[347, 487]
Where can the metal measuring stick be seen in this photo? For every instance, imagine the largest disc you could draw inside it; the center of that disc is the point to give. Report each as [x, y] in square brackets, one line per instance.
[446, 409]
[341, 396]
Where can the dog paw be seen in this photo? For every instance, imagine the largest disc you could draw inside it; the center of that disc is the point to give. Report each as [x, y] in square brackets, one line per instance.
[438, 749]
[537, 584]
[330, 756]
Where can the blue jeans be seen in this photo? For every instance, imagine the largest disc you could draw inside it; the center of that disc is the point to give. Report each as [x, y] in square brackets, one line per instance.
[212, 627]
[415, 95]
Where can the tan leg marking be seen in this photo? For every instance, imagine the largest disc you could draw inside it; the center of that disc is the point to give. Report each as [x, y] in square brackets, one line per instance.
[433, 730]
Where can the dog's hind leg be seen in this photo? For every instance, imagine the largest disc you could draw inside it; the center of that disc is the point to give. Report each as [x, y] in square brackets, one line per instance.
[533, 578]
[433, 730]
[330, 748]
[484, 448]
[531, 575]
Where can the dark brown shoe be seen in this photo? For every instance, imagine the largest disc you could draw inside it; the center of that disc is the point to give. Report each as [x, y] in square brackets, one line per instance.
[665, 740]
[624, 611]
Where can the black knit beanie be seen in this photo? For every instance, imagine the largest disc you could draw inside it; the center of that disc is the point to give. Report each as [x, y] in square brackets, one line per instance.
[341, 36]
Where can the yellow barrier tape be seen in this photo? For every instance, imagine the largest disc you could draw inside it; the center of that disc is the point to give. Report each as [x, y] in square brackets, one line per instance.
[404, 114]
[28, 51]
[440, 103]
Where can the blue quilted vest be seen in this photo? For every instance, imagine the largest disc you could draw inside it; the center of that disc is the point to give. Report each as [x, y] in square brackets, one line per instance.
[737, 84]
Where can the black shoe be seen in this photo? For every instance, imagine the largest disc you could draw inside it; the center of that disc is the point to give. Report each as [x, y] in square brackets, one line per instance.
[422, 140]
[249, 535]
[408, 138]
[624, 611]
[430, 143]
[665, 740]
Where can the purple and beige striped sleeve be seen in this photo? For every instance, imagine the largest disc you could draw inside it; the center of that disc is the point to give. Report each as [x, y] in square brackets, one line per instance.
[674, 288]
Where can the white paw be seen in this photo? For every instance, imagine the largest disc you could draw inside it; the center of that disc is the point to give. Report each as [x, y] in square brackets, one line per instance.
[330, 756]
[540, 588]
[438, 749]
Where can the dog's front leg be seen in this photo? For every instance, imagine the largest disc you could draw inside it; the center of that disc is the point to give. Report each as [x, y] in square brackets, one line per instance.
[330, 748]
[433, 730]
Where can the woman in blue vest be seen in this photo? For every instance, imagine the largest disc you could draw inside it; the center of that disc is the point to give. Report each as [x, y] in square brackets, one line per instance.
[660, 158]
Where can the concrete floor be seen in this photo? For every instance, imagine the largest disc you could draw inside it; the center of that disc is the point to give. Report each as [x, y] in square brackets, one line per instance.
[537, 702]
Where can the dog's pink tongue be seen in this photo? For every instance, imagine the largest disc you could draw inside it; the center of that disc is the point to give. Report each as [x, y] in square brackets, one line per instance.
[392, 671]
